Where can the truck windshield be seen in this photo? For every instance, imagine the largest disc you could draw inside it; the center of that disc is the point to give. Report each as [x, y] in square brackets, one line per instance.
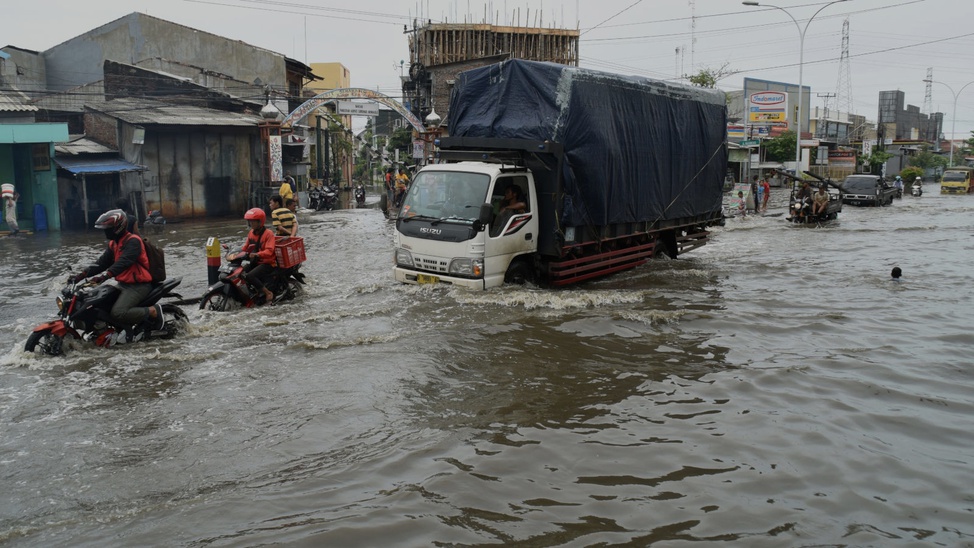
[860, 184]
[446, 195]
[954, 177]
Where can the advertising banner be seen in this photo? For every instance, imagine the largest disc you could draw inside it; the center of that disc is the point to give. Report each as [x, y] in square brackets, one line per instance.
[767, 107]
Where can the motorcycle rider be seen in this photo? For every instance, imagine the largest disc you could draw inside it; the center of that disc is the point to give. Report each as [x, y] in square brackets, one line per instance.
[126, 261]
[898, 184]
[917, 185]
[260, 252]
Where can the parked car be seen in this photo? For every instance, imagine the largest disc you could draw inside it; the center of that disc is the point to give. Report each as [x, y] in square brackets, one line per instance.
[867, 190]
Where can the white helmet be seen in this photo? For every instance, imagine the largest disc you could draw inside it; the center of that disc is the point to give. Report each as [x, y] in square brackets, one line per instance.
[917, 179]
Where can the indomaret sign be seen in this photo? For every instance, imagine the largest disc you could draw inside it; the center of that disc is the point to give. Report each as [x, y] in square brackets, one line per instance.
[767, 107]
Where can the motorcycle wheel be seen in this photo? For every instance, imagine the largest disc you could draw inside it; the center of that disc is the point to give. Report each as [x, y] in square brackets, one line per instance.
[294, 289]
[178, 322]
[45, 342]
[219, 302]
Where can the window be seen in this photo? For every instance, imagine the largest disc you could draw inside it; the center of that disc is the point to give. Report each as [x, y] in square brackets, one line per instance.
[41, 156]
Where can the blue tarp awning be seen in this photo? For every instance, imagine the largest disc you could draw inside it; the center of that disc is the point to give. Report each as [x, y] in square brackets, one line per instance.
[80, 166]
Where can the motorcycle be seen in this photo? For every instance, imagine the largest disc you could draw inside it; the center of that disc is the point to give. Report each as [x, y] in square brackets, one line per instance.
[917, 190]
[322, 197]
[315, 197]
[360, 194]
[801, 208]
[232, 290]
[83, 314]
[155, 218]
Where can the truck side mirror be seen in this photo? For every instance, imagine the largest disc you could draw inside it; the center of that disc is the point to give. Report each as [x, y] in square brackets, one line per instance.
[483, 220]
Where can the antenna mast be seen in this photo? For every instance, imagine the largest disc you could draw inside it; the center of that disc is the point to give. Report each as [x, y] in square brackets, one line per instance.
[843, 89]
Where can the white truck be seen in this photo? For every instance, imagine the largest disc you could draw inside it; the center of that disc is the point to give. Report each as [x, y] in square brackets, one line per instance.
[611, 170]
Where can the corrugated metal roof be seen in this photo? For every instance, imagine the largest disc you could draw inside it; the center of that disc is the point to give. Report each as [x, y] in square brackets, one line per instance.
[88, 165]
[148, 112]
[79, 144]
[15, 101]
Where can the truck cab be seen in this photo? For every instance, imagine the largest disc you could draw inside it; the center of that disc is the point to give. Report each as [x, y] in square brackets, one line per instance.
[957, 180]
[867, 190]
[453, 227]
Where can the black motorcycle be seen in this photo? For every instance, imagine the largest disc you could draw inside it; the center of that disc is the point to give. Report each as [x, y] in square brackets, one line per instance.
[360, 194]
[83, 314]
[315, 198]
[232, 291]
[322, 197]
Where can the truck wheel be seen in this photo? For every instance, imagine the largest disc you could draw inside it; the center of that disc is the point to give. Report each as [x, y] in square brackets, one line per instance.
[665, 245]
[520, 273]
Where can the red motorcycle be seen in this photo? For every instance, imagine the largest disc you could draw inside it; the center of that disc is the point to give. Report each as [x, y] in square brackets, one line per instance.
[83, 314]
[232, 290]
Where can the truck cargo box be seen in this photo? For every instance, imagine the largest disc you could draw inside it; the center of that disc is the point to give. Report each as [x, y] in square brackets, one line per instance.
[635, 149]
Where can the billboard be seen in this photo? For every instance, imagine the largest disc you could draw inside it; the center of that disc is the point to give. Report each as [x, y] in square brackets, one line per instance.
[767, 107]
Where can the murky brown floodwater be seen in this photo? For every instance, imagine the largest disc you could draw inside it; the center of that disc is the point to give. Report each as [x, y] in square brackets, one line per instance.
[771, 389]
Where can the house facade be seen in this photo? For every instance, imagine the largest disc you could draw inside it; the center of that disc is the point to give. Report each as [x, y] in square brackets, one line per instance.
[179, 108]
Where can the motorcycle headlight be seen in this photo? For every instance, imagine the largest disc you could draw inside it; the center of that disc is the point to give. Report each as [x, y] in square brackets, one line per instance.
[467, 267]
[404, 258]
[60, 302]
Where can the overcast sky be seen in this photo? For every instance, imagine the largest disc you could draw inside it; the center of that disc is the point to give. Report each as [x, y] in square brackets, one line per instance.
[892, 43]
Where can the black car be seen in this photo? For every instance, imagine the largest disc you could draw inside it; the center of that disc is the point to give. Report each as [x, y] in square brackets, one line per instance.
[867, 190]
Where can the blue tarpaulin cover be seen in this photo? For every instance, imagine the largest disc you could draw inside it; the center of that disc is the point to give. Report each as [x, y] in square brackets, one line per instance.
[86, 165]
[636, 149]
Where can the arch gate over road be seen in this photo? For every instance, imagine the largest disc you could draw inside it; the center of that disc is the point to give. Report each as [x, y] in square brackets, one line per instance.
[308, 106]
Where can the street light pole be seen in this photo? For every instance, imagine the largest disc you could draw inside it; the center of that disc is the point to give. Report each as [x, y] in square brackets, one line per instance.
[953, 116]
[801, 63]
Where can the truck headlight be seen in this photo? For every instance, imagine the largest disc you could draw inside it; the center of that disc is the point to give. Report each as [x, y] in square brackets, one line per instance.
[404, 258]
[467, 267]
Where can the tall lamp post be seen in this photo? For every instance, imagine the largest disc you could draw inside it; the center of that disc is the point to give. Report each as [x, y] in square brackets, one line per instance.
[953, 115]
[801, 62]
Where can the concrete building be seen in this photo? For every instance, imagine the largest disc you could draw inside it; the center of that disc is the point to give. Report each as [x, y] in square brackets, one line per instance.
[439, 51]
[333, 76]
[210, 162]
[900, 121]
[27, 147]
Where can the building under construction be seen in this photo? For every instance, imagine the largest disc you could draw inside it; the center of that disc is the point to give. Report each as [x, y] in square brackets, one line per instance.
[439, 51]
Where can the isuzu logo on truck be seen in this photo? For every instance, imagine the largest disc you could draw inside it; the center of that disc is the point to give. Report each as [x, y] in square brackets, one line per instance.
[434, 231]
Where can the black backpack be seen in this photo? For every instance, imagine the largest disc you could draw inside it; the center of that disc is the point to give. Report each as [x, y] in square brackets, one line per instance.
[157, 260]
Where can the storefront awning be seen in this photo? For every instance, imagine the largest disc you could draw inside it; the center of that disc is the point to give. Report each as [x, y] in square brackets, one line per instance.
[87, 166]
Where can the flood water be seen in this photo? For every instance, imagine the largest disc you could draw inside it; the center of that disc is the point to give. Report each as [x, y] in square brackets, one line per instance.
[774, 388]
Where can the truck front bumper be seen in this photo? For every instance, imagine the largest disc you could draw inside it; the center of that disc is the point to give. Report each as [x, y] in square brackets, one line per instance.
[420, 278]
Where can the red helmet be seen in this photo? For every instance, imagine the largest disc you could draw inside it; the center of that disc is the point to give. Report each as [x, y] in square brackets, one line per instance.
[113, 222]
[255, 214]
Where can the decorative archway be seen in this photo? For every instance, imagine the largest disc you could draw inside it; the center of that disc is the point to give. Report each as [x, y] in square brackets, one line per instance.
[310, 105]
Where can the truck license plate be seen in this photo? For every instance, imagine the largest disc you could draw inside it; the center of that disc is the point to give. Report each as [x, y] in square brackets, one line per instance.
[426, 279]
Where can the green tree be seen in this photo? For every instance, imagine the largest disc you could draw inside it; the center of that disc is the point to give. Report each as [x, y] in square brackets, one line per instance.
[780, 148]
[968, 147]
[911, 173]
[925, 159]
[875, 160]
[708, 78]
[401, 139]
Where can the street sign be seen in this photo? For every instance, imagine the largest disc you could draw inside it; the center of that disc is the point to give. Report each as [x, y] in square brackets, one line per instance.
[357, 109]
[750, 143]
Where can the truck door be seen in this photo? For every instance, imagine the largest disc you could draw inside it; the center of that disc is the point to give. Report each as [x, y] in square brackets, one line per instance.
[513, 228]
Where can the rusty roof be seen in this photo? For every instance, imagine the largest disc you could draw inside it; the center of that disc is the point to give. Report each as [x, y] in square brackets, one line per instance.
[153, 112]
[79, 144]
